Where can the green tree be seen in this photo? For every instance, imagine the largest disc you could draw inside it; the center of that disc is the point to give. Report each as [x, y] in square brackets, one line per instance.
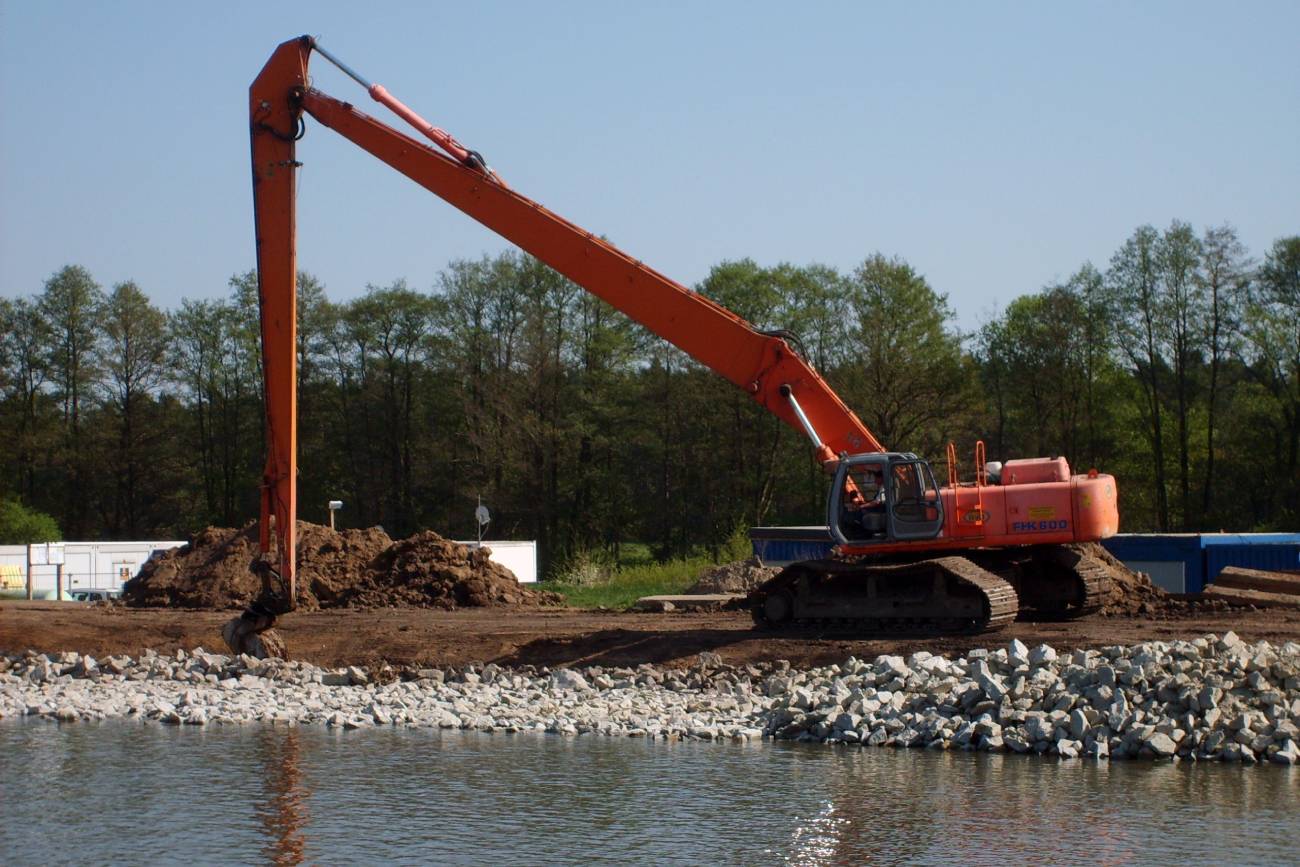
[1094, 330]
[602, 496]
[1225, 279]
[1273, 336]
[1044, 362]
[907, 375]
[133, 357]
[71, 304]
[1182, 301]
[398, 323]
[1134, 283]
[20, 525]
[195, 350]
[222, 381]
[25, 339]
[746, 437]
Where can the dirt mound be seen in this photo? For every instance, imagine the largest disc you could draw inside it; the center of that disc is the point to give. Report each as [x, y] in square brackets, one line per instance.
[346, 569]
[1127, 592]
[739, 577]
[429, 571]
[330, 562]
[210, 572]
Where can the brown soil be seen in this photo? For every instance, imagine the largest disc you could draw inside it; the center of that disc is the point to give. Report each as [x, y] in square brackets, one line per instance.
[1129, 592]
[356, 570]
[561, 636]
[347, 569]
[427, 570]
[739, 577]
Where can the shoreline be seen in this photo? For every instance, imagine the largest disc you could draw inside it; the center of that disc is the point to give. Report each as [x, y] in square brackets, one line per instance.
[1214, 698]
[566, 637]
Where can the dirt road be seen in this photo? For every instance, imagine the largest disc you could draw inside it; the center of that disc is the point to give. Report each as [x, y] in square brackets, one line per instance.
[563, 636]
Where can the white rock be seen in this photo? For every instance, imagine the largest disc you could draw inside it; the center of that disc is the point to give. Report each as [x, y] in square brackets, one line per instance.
[567, 678]
[1161, 744]
[1042, 654]
[1016, 740]
[1229, 641]
[1289, 754]
[1017, 652]
[1098, 749]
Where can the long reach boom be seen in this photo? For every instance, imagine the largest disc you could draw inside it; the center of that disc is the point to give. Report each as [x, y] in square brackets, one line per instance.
[761, 364]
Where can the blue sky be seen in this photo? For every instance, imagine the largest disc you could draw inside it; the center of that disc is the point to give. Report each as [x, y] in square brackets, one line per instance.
[996, 147]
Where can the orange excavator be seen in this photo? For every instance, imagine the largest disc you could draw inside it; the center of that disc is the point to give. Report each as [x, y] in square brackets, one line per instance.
[909, 554]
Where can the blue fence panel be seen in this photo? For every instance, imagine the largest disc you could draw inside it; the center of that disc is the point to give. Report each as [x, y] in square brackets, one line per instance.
[1270, 558]
[1142, 548]
[790, 550]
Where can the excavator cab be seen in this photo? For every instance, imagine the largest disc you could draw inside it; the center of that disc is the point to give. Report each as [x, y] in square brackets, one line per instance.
[884, 497]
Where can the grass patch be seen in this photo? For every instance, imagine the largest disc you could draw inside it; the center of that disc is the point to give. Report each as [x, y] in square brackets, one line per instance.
[591, 579]
[621, 587]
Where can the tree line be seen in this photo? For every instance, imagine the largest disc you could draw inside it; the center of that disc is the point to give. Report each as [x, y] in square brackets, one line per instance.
[1176, 367]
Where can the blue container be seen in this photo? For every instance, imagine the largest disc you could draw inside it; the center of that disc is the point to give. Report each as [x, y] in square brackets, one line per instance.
[1268, 556]
[1186, 562]
[1175, 561]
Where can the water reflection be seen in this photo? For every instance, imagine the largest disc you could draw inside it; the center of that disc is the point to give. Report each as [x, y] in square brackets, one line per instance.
[820, 839]
[283, 812]
[108, 793]
[927, 807]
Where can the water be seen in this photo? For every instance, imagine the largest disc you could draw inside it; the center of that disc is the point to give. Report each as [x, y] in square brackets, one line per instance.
[121, 792]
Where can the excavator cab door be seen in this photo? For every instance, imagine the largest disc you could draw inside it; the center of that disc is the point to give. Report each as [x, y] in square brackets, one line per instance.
[915, 507]
[884, 497]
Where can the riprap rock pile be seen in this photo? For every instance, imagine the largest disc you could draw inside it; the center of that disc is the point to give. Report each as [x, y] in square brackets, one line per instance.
[1208, 698]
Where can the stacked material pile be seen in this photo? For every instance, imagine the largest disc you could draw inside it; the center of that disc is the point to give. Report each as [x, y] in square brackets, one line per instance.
[1240, 586]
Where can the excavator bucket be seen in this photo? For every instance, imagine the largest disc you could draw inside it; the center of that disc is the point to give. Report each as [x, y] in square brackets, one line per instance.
[260, 645]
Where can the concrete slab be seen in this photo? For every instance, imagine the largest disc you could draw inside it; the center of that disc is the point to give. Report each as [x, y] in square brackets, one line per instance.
[1258, 579]
[1258, 598]
[685, 602]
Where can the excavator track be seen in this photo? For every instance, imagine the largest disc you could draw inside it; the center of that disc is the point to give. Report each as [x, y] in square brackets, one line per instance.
[1054, 582]
[1093, 577]
[944, 595]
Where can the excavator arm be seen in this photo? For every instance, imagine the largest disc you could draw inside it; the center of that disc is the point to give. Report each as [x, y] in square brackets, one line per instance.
[714, 336]
[763, 365]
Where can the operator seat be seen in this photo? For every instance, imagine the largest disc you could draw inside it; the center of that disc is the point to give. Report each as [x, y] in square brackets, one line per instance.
[873, 521]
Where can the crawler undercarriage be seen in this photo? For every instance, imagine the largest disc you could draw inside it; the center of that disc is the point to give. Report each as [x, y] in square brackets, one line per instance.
[979, 591]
